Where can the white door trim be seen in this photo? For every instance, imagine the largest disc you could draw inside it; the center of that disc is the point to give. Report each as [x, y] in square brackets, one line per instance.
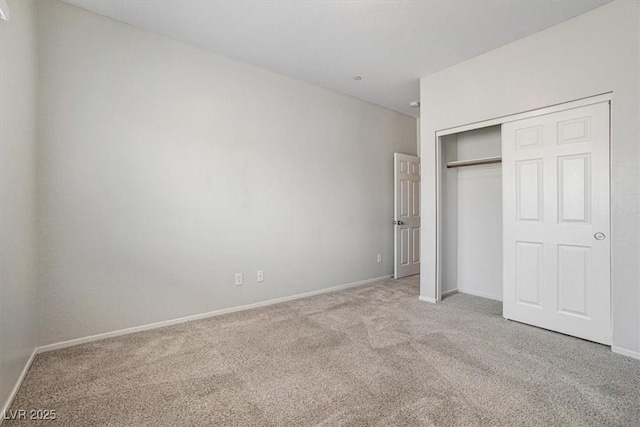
[608, 96]
[527, 114]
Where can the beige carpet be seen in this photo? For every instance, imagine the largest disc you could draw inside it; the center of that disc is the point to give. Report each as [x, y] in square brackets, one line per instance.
[372, 355]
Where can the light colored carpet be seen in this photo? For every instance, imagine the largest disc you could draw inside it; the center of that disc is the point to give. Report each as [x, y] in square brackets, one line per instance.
[372, 355]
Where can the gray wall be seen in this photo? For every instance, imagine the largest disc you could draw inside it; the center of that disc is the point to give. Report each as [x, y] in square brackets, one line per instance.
[594, 53]
[165, 169]
[18, 248]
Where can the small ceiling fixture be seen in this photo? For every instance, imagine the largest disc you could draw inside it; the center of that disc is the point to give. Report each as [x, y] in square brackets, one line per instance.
[414, 104]
[357, 78]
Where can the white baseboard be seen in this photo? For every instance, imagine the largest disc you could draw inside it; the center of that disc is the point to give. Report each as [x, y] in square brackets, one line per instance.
[625, 352]
[16, 386]
[450, 292]
[97, 337]
[426, 299]
[480, 294]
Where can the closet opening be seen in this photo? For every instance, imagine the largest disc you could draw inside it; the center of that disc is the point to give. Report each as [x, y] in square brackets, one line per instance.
[470, 213]
[523, 216]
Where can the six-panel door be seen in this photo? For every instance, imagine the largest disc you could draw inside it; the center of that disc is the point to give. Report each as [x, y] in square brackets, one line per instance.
[407, 215]
[556, 222]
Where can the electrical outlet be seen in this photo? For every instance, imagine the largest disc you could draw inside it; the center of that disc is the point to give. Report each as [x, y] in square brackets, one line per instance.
[379, 257]
[238, 279]
[260, 276]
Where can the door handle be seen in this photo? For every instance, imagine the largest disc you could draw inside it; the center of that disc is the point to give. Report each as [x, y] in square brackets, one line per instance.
[398, 222]
[599, 236]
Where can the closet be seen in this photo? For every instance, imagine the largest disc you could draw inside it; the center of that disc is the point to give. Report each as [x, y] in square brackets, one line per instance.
[524, 216]
[471, 213]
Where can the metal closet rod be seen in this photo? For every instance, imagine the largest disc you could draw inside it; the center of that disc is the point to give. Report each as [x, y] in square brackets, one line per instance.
[474, 162]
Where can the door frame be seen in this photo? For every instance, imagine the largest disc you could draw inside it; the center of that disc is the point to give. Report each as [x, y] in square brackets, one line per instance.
[596, 99]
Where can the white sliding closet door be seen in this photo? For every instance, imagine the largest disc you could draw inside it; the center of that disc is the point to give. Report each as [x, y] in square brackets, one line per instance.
[556, 222]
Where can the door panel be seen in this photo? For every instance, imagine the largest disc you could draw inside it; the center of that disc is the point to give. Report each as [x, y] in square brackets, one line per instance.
[555, 201]
[407, 215]
[573, 188]
[574, 268]
[529, 190]
[405, 241]
[416, 245]
[415, 195]
[529, 272]
[404, 198]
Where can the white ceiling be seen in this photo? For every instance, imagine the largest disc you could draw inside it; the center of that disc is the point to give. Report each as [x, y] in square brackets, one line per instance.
[391, 44]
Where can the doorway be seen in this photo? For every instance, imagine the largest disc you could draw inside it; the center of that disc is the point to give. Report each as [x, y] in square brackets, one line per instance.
[544, 249]
[406, 221]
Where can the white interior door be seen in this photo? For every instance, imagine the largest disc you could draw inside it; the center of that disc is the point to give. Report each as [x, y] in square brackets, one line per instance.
[556, 222]
[407, 215]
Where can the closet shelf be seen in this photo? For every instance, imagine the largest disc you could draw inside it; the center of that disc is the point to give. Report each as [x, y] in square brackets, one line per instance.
[474, 162]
